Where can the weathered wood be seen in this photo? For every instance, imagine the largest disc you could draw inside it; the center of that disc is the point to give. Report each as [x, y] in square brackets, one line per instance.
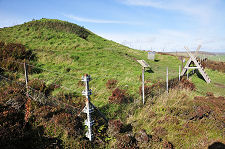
[187, 65]
[143, 63]
[187, 73]
[196, 52]
[198, 66]
[179, 72]
[167, 80]
[192, 67]
[143, 85]
[26, 77]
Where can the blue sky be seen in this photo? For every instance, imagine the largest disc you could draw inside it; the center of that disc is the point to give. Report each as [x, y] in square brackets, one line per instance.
[161, 25]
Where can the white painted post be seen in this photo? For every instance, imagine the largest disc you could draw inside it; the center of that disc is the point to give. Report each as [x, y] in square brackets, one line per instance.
[143, 85]
[167, 80]
[88, 109]
[179, 72]
[187, 74]
[26, 76]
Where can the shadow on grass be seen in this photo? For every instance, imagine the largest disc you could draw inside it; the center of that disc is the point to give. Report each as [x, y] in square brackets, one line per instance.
[150, 70]
[191, 73]
[217, 145]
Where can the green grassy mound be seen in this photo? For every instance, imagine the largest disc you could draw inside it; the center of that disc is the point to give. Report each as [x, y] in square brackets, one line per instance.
[62, 52]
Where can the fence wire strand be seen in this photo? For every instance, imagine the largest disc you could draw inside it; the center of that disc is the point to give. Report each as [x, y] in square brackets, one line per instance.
[40, 97]
[56, 73]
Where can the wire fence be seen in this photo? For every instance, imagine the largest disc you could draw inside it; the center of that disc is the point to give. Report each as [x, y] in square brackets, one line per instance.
[54, 72]
[60, 75]
[43, 99]
[56, 80]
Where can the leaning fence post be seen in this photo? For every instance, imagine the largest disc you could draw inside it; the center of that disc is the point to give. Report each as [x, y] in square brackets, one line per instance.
[26, 76]
[167, 81]
[28, 103]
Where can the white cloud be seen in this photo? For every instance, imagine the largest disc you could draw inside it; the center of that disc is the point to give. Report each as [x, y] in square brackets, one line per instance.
[202, 10]
[167, 40]
[88, 20]
[7, 21]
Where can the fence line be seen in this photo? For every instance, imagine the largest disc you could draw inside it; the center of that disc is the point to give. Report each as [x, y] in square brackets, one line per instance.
[43, 80]
[57, 73]
[38, 96]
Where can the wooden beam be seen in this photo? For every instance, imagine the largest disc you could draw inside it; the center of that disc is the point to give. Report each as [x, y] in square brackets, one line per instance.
[192, 67]
[200, 68]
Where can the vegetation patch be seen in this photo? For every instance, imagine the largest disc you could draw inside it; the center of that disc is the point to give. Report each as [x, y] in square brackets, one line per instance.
[219, 66]
[119, 96]
[12, 57]
[59, 26]
[159, 88]
[111, 83]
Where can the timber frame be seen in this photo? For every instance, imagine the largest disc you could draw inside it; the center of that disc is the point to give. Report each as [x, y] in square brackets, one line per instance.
[197, 64]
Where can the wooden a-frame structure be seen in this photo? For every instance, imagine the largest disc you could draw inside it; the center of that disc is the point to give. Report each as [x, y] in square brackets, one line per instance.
[196, 63]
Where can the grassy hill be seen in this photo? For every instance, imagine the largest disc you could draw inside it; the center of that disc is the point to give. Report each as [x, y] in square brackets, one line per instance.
[73, 51]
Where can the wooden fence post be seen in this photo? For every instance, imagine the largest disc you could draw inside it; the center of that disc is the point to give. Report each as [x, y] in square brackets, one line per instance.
[187, 74]
[26, 76]
[179, 72]
[167, 80]
[143, 84]
[182, 62]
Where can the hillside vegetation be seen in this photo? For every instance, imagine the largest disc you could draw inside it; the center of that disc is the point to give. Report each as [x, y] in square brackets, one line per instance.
[62, 52]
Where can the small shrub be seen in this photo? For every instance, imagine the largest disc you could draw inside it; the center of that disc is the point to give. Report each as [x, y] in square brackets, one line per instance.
[11, 52]
[125, 141]
[142, 137]
[41, 86]
[160, 131]
[80, 83]
[156, 138]
[111, 84]
[118, 96]
[186, 84]
[114, 127]
[209, 94]
[167, 145]
[153, 90]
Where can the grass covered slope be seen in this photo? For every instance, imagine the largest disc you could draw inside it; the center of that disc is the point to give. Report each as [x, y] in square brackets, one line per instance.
[62, 46]
[73, 51]
[61, 50]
